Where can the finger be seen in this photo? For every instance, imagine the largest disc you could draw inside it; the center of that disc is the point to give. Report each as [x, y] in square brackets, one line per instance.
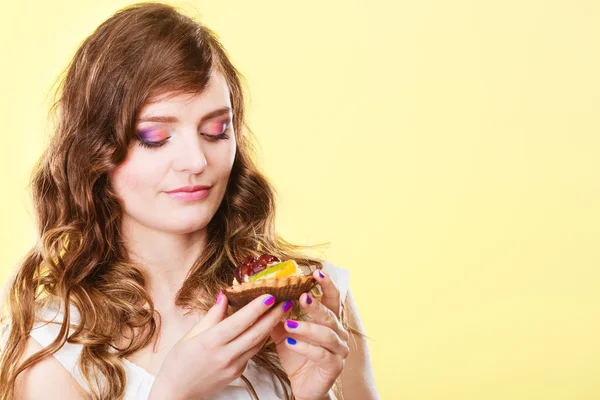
[318, 354]
[318, 334]
[232, 326]
[322, 315]
[278, 334]
[214, 315]
[259, 331]
[248, 354]
[331, 294]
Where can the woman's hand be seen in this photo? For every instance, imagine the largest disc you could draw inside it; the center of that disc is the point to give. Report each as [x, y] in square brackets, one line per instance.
[313, 352]
[215, 352]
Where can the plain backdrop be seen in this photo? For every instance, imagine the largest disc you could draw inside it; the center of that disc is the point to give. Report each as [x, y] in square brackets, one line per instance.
[448, 151]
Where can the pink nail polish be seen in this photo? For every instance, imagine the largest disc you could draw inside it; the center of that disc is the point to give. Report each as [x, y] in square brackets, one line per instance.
[291, 324]
[269, 301]
[287, 306]
[322, 275]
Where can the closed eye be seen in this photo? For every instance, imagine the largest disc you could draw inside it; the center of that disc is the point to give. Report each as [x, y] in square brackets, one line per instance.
[222, 127]
[152, 138]
[152, 144]
[214, 138]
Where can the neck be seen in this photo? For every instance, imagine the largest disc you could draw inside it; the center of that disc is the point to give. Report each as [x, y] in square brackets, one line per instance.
[165, 256]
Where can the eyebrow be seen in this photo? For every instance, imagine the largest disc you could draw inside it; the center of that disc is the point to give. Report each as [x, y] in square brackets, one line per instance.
[170, 119]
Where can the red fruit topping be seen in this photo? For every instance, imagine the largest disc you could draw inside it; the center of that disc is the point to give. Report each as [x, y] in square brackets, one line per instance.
[258, 266]
[238, 275]
[252, 266]
[269, 258]
[249, 260]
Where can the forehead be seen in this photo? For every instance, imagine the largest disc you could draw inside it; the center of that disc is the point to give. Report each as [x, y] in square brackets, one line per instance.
[215, 95]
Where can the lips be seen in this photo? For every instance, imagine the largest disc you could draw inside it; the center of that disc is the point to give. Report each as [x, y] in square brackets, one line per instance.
[189, 189]
[189, 193]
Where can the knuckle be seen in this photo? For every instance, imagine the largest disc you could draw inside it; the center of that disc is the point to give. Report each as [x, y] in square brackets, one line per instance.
[233, 371]
[345, 351]
[331, 337]
[237, 326]
[323, 354]
[344, 335]
[256, 339]
[305, 327]
[330, 316]
[223, 362]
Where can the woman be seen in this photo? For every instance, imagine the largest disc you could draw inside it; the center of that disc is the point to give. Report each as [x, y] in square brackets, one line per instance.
[146, 200]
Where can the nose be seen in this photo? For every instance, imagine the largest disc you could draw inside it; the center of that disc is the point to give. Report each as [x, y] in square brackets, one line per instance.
[190, 157]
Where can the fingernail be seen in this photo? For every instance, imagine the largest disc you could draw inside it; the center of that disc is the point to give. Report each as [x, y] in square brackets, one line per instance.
[322, 275]
[287, 305]
[291, 341]
[308, 299]
[270, 300]
[220, 297]
[291, 324]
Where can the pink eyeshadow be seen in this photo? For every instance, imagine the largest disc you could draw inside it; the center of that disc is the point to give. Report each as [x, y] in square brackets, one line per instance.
[153, 135]
[218, 125]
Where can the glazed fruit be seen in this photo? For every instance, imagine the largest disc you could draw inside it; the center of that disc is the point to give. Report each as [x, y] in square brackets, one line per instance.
[267, 274]
[279, 270]
[251, 266]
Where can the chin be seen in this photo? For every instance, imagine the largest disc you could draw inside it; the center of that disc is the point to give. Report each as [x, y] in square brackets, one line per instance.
[188, 224]
[182, 229]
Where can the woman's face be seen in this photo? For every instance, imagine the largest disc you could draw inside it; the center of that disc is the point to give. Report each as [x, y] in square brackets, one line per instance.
[186, 140]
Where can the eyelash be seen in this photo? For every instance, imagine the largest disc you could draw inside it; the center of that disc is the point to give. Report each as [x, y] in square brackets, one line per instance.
[212, 138]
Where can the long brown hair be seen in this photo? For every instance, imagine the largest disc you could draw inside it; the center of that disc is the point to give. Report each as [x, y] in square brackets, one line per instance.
[80, 259]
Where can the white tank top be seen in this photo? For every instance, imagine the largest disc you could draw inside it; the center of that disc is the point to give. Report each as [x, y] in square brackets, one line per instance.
[139, 381]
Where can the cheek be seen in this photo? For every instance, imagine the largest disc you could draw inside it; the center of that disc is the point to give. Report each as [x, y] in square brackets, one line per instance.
[134, 175]
[220, 160]
[124, 179]
[226, 161]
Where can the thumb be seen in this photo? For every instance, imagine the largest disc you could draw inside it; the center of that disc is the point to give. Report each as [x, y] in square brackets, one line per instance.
[214, 315]
[331, 294]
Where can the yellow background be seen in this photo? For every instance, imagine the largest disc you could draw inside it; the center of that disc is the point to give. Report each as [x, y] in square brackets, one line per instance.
[448, 150]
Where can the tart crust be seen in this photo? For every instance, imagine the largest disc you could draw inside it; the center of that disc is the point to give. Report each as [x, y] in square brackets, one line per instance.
[283, 289]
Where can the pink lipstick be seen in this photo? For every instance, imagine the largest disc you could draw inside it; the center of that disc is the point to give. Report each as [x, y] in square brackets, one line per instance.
[189, 193]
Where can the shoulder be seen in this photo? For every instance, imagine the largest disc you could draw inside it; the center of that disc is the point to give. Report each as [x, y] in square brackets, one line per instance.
[47, 379]
[56, 375]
